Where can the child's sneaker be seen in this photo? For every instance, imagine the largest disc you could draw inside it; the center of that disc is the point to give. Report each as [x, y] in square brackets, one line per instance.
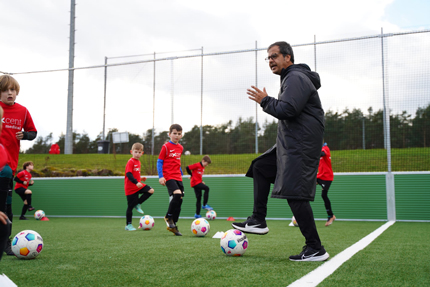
[30, 208]
[330, 220]
[169, 222]
[137, 207]
[207, 207]
[130, 228]
[197, 216]
[22, 217]
[175, 231]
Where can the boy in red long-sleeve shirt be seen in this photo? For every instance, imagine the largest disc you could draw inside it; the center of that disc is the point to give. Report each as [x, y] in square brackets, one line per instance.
[325, 178]
[23, 181]
[133, 185]
[17, 125]
[196, 171]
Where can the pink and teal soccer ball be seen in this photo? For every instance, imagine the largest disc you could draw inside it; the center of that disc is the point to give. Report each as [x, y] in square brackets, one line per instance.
[234, 242]
[211, 215]
[39, 214]
[200, 227]
[146, 222]
[27, 244]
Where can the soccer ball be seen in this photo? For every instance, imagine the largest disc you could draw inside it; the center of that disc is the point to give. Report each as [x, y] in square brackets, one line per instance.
[39, 214]
[211, 215]
[294, 221]
[200, 227]
[234, 242]
[27, 244]
[146, 222]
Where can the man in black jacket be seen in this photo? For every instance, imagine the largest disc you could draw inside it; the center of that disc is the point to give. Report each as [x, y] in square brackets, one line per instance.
[292, 163]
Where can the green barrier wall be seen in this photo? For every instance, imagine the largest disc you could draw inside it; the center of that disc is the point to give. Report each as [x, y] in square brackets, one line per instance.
[352, 197]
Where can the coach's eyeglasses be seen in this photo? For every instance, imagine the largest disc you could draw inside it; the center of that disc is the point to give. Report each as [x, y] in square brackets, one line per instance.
[273, 57]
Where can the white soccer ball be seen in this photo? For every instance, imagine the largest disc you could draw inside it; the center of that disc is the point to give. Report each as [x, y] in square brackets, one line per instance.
[146, 222]
[187, 152]
[39, 214]
[234, 242]
[200, 227]
[211, 215]
[27, 244]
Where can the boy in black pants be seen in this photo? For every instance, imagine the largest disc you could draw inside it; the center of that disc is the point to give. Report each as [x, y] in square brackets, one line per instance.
[196, 171]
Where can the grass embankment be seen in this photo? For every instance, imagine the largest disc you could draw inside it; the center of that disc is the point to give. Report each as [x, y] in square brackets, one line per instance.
[413, 159]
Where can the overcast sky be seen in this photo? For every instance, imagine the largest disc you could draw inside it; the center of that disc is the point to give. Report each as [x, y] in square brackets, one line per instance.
[35, 37]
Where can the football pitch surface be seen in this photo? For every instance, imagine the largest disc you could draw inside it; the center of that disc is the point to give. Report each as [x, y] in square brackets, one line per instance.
[99, 252]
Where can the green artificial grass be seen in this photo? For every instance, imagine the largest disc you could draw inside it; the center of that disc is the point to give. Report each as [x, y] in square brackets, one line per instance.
[99, 252]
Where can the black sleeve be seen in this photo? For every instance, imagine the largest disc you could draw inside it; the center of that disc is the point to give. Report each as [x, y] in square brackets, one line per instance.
[131, 178]
[189, 171]
[322, 154]
[29, 135]
[18, 180]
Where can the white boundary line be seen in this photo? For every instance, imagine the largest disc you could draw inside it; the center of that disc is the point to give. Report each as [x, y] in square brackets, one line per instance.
[318, 275]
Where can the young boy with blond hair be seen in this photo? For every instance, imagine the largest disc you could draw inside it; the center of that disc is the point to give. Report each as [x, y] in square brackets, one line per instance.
[23, 181]
[17, 125]
[133, 185]
[196, 172]
[170, 175]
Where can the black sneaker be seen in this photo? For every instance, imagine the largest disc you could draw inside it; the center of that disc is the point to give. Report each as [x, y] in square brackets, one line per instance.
[251, 225]
[22, 217]
[8, 248]
[310, 254]
[30, 208]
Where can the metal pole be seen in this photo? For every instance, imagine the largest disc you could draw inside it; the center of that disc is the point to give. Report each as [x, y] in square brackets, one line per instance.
[153, 112]
[171, 87]
[104, 100]
[364, 135]
[315, 52]
[201, 106]
[256, 105]
[389, 178]
[68, 143]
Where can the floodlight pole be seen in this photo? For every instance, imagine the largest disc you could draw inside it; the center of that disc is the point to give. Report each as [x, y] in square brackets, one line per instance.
[68, 142]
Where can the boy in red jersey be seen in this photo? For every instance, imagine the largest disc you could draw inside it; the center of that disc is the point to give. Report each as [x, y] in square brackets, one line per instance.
[170, 175]
[325, 178]
[196, 171]
[133, 187]
[23, 180]
[17, 125]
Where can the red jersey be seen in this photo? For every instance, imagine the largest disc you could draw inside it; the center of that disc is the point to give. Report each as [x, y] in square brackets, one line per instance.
[325, 172]
[3, 157]
[197, 173]
[23, 176]
[133, 166]
[171, 155]
[15, 119]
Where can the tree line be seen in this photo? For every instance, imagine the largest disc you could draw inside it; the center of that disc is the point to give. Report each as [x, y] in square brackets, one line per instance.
[344, 130]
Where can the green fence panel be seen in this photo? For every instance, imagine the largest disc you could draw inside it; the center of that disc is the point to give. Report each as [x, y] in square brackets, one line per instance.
[412, 196]
[352, 197]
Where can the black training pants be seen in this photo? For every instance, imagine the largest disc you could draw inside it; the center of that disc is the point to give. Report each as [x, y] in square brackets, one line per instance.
[264, 173]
